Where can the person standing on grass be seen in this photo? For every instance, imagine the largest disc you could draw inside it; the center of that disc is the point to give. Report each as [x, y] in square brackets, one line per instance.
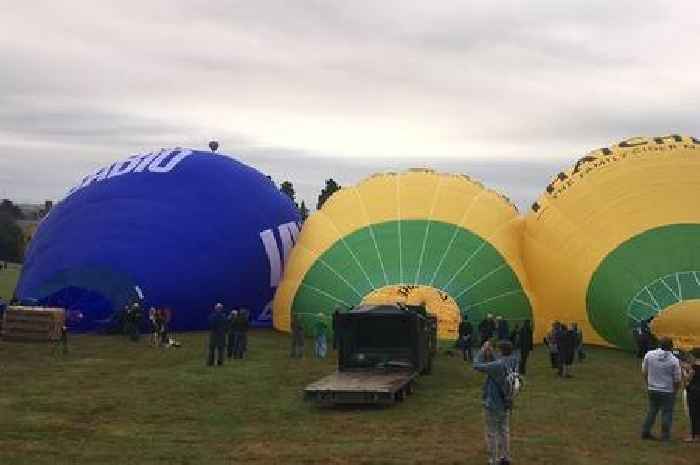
[297, 338]
[3, 306]
[552, 344]
[336, 333]
[502, 329]
[320, 329]
[218, 326]
[661, 371]
[154, 326]
[464, 339]
[242, 328]
[497, 407]
[487, 328]
[133, 320]
[692, 395]
[578, 340]
[525, 345]
[237, 336]
[231, 333]
[567, 348]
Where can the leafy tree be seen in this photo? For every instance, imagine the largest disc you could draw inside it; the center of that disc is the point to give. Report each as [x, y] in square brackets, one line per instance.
[288, 188]
[11, 210]
[11, 239]
[303, 211]
[326, 192]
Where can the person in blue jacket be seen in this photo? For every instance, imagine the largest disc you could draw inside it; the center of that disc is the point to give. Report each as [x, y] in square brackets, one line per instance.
[218, 326]
[496, 407]
[3, 306]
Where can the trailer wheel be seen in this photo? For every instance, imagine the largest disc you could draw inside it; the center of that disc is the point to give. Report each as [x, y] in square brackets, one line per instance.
[400, 395]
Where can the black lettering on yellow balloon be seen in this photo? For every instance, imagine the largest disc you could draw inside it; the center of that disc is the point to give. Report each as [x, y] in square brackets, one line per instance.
[535, 207]
[606, 151]
[633, 142]
[674, 137]
[582, 161]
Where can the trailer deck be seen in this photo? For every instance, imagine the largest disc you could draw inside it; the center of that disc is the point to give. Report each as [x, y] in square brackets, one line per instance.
[362, 387]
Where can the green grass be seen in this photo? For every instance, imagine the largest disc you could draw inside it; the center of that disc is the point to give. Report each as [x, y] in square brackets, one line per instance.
[110, 401]
[8, 280]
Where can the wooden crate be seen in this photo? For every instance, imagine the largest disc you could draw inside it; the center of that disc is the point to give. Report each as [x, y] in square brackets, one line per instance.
[33, 323]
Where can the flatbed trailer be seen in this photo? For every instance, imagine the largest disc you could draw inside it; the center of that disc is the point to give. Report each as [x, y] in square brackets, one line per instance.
[362, 387]
[382, 349]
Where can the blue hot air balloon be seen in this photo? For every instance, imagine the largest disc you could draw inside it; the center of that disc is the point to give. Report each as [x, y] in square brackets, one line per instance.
[178, 229]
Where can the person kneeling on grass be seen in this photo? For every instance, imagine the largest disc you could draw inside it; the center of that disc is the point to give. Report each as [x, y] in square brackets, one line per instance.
[497, 402]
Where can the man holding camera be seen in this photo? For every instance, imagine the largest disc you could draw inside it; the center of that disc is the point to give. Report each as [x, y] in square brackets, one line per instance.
[497, 402]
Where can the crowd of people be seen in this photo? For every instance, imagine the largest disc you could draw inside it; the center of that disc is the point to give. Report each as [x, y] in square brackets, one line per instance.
[320, 335]
[665, 371]
[565, 345]
[496, 328]
[502, 357]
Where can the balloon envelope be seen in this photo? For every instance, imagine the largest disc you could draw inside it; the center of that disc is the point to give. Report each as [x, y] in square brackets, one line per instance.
[179, 228]
[414, 237]
[616, 240]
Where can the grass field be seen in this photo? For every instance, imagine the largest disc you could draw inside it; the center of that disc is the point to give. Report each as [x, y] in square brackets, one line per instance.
[8, 280]
[110, 401]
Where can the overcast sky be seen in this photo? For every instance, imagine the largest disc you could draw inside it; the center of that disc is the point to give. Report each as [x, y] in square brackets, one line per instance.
[506, 91]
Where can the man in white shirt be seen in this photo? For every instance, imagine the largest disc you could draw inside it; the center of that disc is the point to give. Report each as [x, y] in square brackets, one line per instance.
[662, 373]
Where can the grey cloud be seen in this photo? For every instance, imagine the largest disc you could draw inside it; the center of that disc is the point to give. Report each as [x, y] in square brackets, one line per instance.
[507, 91]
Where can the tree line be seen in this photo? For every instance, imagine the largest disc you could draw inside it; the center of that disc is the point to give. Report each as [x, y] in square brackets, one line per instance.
[11, 238]
[331, 186]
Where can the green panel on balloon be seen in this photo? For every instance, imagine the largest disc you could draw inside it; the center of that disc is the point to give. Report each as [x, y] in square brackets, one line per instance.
[641, 277]
[423, 252]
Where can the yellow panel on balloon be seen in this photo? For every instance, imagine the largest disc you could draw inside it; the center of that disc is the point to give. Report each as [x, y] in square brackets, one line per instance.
[435, 302]
[614, 241]
[681, 323]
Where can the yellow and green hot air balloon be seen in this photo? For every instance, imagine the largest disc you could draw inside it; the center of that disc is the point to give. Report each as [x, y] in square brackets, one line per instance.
[616, 240]
[414, 237]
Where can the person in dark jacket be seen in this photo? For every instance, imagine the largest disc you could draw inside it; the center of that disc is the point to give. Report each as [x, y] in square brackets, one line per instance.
[243, 326]
[692, 393]
[464, 339]
[487, 328]
[514, 334]
[643, 337]
[231, 334]
[336, 335]
[550, 340]
[525, 345]
[133, 320]
[218, 325]
[578, 340]
[502, 329]
[567, 349]
[297, 330]
[238, 328]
